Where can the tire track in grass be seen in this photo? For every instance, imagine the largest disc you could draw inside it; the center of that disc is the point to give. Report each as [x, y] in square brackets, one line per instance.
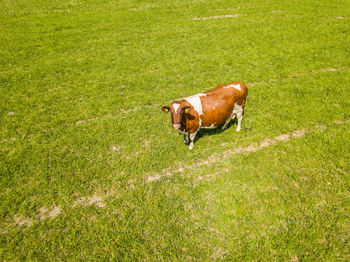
[217, 17]
[229, 15]
[236, 8]
[45, 213]
[219, 157]
[24, 222]
[271, 12]
[97, 200]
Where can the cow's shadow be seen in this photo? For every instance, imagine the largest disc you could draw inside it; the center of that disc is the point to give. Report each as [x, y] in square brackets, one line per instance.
[215, 131]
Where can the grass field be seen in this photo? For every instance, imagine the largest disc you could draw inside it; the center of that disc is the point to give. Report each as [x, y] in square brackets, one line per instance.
[92, 170]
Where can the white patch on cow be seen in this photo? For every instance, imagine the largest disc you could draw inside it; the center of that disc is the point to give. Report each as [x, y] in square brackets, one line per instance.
[238, 111]
[195, 101]
[176, 107]
[238, 86]
[237, 108]
[211, 126]
[192, 136]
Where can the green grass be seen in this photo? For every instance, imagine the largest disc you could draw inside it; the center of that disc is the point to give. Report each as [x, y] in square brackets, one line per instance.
[82, 84]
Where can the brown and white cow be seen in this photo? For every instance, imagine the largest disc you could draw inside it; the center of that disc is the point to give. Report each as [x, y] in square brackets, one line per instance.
[211, 109]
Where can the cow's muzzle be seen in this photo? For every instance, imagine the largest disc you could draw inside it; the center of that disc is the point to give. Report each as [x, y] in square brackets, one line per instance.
[176, 125]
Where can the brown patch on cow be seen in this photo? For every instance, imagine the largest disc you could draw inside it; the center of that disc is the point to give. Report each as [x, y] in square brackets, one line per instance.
[218, 103]
[216, 17]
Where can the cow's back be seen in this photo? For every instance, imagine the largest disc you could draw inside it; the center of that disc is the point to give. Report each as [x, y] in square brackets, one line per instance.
[218, 103]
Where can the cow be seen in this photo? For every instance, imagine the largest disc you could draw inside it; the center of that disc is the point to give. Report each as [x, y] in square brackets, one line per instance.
[210, 109]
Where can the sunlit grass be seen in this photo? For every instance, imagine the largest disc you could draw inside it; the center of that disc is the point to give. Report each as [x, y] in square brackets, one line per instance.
[82, 84]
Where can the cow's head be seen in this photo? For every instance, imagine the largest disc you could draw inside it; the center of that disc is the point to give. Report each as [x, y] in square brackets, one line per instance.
[179, 113]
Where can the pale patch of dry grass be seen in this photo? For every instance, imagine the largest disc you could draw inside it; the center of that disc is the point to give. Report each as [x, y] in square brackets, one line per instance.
[216, 17]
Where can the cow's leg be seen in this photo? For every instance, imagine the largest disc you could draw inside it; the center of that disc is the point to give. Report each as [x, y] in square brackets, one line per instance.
[192, 136]
[226, 123]
[232, 116]
[186, 138]
[239, 118]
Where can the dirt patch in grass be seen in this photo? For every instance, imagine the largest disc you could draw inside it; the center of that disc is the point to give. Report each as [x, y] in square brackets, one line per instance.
[153, 178]
[236, 8]
[333, 18]
[89, 201]
[218, 254]
[21, 221]
[85, 120]
[46, 213]
[216, 17]
[114, 148]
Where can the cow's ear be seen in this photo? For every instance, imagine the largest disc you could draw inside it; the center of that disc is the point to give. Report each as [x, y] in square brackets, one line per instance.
[165, 109]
